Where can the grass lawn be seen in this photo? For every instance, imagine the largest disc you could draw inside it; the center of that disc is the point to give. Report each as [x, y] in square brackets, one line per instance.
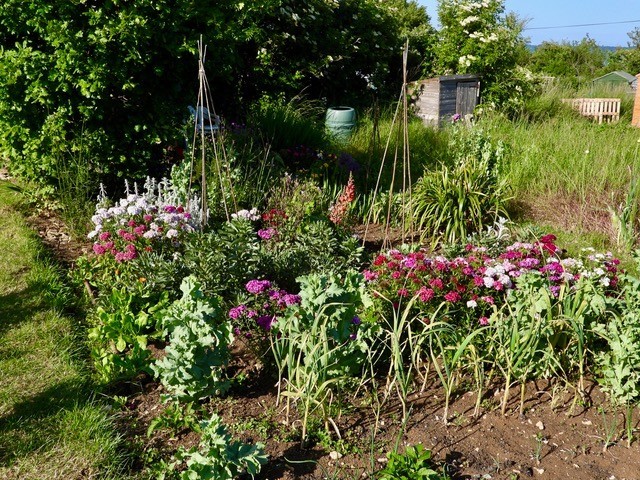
[51, 426]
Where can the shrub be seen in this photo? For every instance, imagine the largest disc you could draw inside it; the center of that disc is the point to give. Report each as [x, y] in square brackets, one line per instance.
[464, 197]
[225, 259]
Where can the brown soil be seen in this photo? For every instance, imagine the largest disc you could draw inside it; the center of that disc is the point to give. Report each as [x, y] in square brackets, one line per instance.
[553, 439]
[550, 441]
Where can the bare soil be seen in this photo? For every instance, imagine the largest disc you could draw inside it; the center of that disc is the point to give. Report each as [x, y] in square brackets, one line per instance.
[555, 438]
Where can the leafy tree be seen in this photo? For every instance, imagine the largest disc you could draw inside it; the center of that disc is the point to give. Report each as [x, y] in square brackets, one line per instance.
[575, 62]
[627, 59]
[108, 82]
[478, 37]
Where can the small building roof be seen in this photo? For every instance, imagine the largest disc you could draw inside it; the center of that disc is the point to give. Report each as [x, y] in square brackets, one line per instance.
[627, 76]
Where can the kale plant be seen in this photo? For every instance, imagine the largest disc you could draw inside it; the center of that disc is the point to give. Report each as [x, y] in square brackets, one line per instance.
[198, 351]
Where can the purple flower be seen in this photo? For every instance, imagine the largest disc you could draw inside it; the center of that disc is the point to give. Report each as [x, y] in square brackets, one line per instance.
[291, 299]
[267, 233]
[266, 321]
[356, 320]
[236, 312]
[257, 286]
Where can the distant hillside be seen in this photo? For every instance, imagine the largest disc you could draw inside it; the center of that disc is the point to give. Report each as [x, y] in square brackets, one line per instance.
[606, 48]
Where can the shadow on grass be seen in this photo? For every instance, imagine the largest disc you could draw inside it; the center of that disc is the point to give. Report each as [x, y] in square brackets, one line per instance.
[37, 414]
[18, 306]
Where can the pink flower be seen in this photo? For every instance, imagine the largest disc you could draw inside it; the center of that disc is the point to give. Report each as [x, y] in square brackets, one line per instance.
[267, 233]
[436, 283]
[483, 321]
[452, 296]
[236, 312]
[369, 276]
[425, 294]
[99, 249]
[403, 292]
[104, 236]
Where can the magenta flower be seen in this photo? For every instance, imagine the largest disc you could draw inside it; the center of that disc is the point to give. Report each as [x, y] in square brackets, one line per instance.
[426, 294]
[257, 286]
[452, 296]
[236, 312]
[267, 233]
[290, 299]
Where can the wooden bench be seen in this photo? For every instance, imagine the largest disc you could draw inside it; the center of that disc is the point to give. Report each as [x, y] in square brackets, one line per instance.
[603, 109]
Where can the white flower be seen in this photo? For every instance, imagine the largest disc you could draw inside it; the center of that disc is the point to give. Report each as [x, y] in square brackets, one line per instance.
[150, 234]
[95, 231]
[134, 210]
[472, 304]
[172, 233]
[605, 281]
[488, 282]
[470, 19]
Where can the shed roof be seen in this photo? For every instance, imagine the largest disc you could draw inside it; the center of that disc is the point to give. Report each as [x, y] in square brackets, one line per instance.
[627, 76]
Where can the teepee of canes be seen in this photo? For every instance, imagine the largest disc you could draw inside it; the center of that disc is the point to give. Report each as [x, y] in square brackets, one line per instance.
[207, 136]
[402, 133]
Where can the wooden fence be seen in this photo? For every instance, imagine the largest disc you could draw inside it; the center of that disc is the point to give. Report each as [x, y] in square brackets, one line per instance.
[603, 109]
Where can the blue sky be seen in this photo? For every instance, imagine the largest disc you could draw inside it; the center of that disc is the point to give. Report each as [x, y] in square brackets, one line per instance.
[551, 13]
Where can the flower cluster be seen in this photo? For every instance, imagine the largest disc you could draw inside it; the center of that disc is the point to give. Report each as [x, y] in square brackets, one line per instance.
[137, 224]
[477, 281]
[338, 211]
[273, 220]
[250, 215]
[261, 310]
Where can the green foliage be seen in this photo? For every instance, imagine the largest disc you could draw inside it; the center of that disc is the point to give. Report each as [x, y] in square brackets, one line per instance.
[121, 333]
[282, 124]
[224, 260]
[304, 241]
[465, 197]
[619, 362]
[413, 464]
[175, 417]
[477, 37]
[192, 367]
[321, 341]
[115, 80]
[217, 457]
[574, 62]
[316, 247]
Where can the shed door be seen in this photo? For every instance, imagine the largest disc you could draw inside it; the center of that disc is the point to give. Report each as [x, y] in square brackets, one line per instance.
[467, 94]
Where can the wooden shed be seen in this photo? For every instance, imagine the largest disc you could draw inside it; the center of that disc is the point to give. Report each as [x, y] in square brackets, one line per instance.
[617, 78]
[439, 99]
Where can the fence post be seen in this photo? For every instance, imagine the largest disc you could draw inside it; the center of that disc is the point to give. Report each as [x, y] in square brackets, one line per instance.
[635, 120]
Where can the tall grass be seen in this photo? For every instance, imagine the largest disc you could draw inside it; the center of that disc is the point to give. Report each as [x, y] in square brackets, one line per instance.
[569, 156]
[377, 133]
